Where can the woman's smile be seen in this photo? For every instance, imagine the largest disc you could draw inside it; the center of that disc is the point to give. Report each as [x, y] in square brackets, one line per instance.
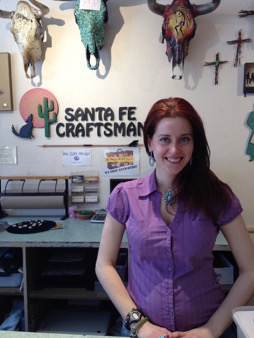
[172, 145]
[173, 160]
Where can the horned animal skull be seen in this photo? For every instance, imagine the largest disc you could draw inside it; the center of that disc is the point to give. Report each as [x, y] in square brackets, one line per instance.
[28, 32]
[91, 26]
[179, 28]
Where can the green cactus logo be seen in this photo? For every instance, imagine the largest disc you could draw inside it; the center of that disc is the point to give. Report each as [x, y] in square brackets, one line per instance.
[44, 111]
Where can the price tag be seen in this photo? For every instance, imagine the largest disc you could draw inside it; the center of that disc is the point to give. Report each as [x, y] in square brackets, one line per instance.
[93, 5]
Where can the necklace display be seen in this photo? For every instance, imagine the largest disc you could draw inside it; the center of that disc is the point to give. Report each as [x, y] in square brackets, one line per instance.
[169, 197]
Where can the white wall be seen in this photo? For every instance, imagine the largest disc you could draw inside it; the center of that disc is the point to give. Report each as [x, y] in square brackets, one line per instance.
[134, 71]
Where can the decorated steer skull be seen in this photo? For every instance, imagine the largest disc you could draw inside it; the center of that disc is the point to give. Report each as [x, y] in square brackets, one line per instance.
[91, 25]
[179, 28]
[28, 32]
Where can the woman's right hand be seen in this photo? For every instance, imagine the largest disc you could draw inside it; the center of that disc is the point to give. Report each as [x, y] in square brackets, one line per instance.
[149, 330]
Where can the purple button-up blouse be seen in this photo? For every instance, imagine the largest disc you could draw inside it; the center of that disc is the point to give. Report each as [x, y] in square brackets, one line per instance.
[171, 275]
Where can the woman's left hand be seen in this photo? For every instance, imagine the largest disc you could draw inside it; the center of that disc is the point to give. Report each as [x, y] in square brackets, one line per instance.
[201, 332]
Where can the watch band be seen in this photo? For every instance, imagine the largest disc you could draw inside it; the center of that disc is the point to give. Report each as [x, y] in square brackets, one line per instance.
[134, 330]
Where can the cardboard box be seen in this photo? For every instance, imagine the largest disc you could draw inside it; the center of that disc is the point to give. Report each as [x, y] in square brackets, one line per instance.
[223, 269]
[91, 199]
[78, 199]
[78, 188]
[243, 317]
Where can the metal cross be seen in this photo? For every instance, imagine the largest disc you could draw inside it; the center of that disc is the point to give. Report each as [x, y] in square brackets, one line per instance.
[239, 42]
[215, 63]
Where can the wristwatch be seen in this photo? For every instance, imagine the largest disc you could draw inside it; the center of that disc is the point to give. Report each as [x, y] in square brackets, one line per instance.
[134, 316]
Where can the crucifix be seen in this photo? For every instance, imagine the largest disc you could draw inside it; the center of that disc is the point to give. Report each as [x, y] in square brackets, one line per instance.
[215, 63]
[243, 13]
[239, 42]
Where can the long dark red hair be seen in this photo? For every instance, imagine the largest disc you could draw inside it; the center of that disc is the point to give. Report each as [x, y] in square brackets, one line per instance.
[197, 186]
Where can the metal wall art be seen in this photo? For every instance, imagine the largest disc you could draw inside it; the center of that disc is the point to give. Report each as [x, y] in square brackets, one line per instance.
[250, 145]
[216, 64]
[239, 43]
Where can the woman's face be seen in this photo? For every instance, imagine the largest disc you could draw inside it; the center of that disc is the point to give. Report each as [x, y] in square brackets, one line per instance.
[172, 145]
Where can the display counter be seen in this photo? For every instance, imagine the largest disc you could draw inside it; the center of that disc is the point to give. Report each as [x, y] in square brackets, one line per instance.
[16, 334]
[75, 287]
[42, 294]
[72, 233]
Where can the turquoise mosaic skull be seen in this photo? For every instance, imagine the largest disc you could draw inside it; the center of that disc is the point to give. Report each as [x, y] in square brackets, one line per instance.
[91, 26]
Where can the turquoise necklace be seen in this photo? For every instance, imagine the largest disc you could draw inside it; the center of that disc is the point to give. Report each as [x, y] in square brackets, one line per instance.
[169, 197]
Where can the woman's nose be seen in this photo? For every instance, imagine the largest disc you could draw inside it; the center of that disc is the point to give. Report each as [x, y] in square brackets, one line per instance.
[173, 146]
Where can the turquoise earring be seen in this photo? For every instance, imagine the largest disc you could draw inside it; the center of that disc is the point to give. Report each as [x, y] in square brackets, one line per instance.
[151, 159]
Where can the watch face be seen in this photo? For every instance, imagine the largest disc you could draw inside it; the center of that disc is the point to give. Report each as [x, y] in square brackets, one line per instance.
[135, 315]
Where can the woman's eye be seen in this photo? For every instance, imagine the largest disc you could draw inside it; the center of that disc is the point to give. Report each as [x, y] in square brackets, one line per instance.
[185, 139]
[165, 140]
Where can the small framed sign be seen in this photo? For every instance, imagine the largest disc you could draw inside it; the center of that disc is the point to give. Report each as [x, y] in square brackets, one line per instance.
[6, 102]
[248, 81]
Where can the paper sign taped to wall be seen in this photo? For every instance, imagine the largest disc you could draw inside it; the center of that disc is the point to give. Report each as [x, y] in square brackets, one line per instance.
[8, 155]
[121, 162]
[77, 157]
[94, 5]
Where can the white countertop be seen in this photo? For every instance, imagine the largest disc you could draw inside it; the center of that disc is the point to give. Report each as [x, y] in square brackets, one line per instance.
[73, 233]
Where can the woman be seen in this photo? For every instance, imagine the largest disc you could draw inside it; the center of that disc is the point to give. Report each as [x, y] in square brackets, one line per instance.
[172, 218]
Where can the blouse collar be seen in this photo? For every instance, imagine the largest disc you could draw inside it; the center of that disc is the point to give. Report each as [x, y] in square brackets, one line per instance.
[147, 185]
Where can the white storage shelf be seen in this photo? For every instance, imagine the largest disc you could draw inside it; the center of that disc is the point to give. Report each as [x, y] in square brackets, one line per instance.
[84, 188]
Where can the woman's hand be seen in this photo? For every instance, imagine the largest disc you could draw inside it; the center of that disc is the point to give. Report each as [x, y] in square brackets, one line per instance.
[201, 332]
[149, 330]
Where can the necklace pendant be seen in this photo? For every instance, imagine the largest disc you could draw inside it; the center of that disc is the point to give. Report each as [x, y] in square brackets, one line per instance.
[168, 197]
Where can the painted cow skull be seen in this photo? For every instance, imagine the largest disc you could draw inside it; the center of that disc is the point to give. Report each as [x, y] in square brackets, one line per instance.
[91, 26]
[28, 32]
[179, 28]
